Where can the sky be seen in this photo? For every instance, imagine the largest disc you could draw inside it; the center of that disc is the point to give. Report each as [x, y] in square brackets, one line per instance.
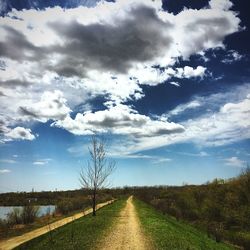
[167, 83]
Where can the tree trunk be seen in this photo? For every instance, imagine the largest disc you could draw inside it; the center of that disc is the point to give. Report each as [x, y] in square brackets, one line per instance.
[94, 203]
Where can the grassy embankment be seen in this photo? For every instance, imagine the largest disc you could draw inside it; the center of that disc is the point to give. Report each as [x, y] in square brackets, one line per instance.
[83, 233]
[168, 233]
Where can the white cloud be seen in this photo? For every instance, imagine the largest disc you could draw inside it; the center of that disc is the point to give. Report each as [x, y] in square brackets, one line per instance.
[183, 107]
[220, 4]
[51, 67]
[4, 171]
[19, 133]
[200, 154]
[175, 84]
[227, 125]
[234, 162]
[232, 56]
[119, 119]
[161, 160]
[51, 106]
[224, 124]
[9, 161]
[189, 72]
[41, 162]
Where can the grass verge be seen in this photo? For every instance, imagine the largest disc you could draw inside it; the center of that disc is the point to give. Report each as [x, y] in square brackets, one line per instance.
[167, 233]
[83, 233]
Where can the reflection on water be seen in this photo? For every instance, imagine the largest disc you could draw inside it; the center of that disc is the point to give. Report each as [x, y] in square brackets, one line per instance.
[43, 210]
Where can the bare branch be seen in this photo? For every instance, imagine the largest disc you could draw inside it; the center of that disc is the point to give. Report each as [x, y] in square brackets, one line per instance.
[95, 174]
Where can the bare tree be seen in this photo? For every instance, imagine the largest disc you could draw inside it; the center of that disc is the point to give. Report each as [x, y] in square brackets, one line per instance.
[95, 174]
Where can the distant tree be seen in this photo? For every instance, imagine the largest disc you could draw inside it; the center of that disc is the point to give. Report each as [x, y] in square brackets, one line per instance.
[94, 175]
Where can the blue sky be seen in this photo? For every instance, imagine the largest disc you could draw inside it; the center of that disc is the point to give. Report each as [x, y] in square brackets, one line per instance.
[167, 84]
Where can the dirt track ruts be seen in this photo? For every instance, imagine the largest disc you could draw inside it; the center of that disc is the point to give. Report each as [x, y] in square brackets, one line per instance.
[126, 234]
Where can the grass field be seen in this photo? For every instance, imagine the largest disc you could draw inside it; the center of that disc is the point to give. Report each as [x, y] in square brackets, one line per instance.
[164, 231]
[80, 234]
[167, 233]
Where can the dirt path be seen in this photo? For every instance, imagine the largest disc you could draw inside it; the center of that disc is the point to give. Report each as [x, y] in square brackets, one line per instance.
[18, 240]
[127, 233]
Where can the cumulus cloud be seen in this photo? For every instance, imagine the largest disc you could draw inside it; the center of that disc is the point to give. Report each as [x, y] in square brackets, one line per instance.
[220, 4]
[112, 47]
[119, 119]
[234, 162]
[51, 106]
[111, 50]
[19, 133]
[127, 34]
[189, 72]
[224, 124]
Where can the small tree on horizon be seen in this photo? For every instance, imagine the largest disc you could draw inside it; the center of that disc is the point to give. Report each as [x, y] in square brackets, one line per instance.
[94, 176]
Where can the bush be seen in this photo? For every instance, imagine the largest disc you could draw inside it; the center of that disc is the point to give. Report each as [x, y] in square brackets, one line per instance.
[29, 214]
[14, 217]
[64, 206]
[67, 205]
[241, 239]
[4, 228]
[215, 230]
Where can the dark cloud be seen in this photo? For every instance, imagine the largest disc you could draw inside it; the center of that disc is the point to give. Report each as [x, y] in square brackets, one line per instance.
[17, 47]
[139, 38]
[14, 83]
[2, 127]
[165, 131]
[113, 122]
[26, 112]
[112, 47]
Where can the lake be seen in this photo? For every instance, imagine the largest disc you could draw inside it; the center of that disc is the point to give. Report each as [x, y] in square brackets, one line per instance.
[43, 210]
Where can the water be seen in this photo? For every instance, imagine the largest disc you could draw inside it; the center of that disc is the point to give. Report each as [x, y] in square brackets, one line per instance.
[43, 210]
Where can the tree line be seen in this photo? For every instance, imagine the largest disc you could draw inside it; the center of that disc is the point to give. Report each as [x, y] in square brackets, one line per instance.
[221, 208]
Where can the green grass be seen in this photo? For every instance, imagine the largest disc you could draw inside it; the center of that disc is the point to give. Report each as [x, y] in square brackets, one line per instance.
[83, 233]
[167, 233]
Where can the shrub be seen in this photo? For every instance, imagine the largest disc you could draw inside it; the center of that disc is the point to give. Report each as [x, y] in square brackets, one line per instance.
[215, 230]
[241, 239]
[14, 217]
[29, 214]
[64, 206]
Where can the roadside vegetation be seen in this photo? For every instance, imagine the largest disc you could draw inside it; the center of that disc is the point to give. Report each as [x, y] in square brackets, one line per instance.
[84, 233]
[168, 233]
[18, 218]
[48, 197]
[25, 219]
[221, 208]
